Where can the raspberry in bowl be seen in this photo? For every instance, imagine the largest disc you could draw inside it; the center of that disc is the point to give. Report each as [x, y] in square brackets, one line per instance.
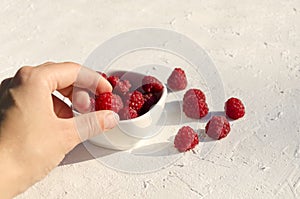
[139, 100]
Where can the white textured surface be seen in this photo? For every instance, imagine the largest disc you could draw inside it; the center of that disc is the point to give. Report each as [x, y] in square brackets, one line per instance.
[255, 44]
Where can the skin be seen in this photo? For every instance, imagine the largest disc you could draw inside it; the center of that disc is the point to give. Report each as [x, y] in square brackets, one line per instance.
[37, 130]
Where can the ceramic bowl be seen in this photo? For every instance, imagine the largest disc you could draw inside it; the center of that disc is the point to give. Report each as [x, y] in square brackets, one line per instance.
[129, 132]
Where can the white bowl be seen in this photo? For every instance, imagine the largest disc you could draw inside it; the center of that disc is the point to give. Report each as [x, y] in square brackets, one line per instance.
[129, 132]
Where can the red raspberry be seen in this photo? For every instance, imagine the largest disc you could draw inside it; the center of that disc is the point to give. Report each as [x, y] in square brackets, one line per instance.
[151, 84]
[218, 127]
[195, 92]
[134, 100]
[102, 74]
[186, 139]
[177, 80]
[149, 100]
[194, 108]
[122, 87]
[234, 108]
[127, 113]
[113, 80]
[108, 101]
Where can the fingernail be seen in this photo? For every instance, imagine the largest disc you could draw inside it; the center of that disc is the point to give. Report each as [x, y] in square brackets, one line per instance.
[111, 120]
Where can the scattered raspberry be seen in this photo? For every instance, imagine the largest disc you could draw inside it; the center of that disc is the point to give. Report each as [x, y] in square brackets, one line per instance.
[127, 113]
[149, 100]
[102, 74]
[151, 84]
[194, 108]
[177, 80]
[217, 128]
[108, 101]
[186, 139]
[113, 80]
[234, 108]
[195, 92]
[134, 100]
[122, 87]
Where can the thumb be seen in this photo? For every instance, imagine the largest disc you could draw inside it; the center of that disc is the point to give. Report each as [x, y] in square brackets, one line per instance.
[91, 124]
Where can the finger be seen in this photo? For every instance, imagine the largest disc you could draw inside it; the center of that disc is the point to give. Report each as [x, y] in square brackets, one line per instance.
[47, 63]
[67, 92]
[81, 100]
[62, 75]
[61, 109]
[94, 123]
[5, 84]
[6, 81]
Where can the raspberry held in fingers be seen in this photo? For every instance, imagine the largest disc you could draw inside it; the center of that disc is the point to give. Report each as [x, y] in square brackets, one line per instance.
[108, 101]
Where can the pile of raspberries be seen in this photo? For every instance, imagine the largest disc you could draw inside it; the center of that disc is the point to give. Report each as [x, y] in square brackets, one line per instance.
[195, 106]
[130, 104]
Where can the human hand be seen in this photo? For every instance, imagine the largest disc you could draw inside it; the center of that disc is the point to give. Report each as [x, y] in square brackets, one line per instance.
[37, 129]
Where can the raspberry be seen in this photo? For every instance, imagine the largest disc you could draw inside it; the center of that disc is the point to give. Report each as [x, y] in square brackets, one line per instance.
[151, 84]
[122, 87]
[218, 127]
[102, 74]
[195, 92]
[149, 100]
[113, 80]
[127, 113]
[234, 108]
[177, 80]
[186, 139]
[134, 100]
[108, 101]
[194, 108]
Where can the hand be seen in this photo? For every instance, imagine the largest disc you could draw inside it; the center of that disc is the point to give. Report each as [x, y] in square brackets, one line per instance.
[37, 129]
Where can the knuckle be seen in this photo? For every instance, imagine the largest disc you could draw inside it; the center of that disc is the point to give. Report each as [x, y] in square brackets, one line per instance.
[5, 82]
[71, 63]
[48, 63]
[24, 73]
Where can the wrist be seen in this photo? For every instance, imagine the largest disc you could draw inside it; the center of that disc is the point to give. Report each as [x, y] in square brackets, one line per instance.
[13, 178]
